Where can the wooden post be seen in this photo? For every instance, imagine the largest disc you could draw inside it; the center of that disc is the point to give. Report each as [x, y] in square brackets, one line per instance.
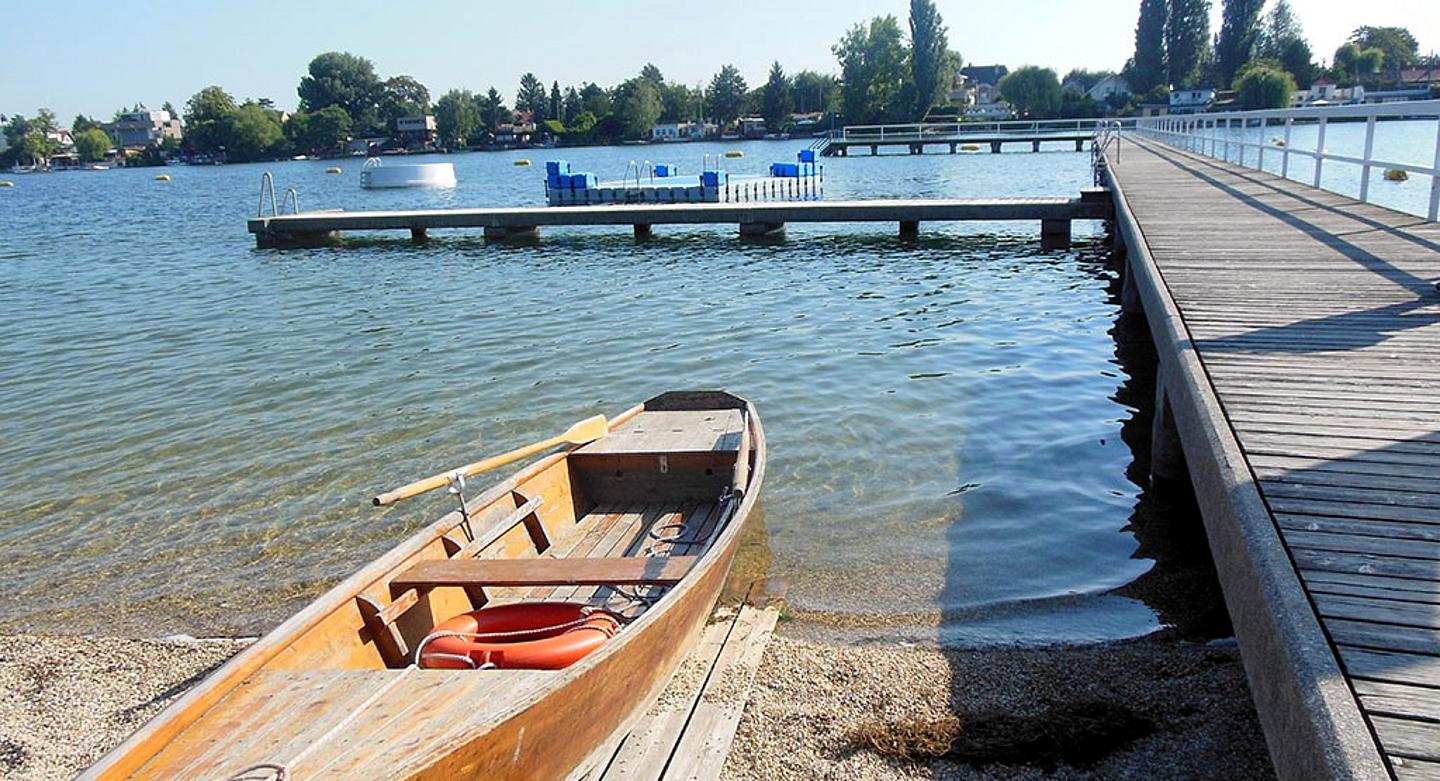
[874, 149]
[643, 231]
[1035, 145]
[419, 235]
[995, 147]
[754, 230]
[952, 147]
[1079, 145]
[909, 229]
[1055, 234]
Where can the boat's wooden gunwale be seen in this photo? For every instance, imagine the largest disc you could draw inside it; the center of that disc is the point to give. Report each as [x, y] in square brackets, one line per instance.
[132, 754]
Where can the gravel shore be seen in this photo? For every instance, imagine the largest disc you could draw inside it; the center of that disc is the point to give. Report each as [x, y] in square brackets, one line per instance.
[65, 700]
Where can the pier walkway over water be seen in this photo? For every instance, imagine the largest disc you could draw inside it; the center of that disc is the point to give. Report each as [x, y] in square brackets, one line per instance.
[1299, 338]
[957, 136]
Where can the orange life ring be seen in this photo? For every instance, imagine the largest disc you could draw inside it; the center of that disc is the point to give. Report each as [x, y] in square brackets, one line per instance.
[521, 636]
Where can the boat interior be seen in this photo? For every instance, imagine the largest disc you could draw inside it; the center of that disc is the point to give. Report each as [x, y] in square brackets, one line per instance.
[616, 523]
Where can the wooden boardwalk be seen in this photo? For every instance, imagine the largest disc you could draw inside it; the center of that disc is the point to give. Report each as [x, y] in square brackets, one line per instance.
[1299, 335]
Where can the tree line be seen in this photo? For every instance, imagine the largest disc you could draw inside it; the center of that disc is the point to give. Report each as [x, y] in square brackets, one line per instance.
[1264, 57]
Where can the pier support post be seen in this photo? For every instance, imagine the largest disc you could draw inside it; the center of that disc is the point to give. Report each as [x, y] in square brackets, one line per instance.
[419, 235]
[995, 147]
[643, 231]
[511, 232]
[952, 147]
[917, 149]
[1129, 291]
[1055, 234]
[757, 230]
[1035, 145]
[844, 151]
[874, 149]
[1079, 145]
[1167, 455]
[909, 229]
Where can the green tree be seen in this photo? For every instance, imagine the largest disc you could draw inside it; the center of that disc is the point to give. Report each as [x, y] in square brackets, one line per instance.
[457, 117]
[637, 103]
[1399, 45]
[532, 97]
[727, 95]
[253, 132]
[1033, 91]
[345, 80]
[92, 144]
[83, 123]
[775, 100]
[1187, 41]
[1264, 84]
[572, 106]
[815, 92]
[594, 99]
[874, 72]
[321, 132]
[652, 74]
[401, 96]
[678, 102]
[1282, 40]
[493, 113]
[1147, 69]
[928, 45]
[1239, 30]
[555, 107]
[1354, 64]
[205, 116]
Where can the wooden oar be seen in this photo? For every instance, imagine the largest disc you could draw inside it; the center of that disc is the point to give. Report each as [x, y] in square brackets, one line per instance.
[582, 432]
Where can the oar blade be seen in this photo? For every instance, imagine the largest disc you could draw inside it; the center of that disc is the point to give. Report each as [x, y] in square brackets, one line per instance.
[587, 430]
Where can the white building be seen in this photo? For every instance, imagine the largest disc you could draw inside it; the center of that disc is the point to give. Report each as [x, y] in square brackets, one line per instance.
[1324, 92]
[674, 131]
[988, 112]
[1191, 101]
[1108, 87]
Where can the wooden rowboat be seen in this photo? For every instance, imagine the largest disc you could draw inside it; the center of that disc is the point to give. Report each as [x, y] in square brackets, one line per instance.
[640, 524]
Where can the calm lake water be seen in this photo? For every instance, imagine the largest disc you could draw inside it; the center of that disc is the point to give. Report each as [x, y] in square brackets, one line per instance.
[192, 427]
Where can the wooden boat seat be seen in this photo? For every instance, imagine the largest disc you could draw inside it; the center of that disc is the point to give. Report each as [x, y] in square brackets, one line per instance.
[612, 571]
[672, 432]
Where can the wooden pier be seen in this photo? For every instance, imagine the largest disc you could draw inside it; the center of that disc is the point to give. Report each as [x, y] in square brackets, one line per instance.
[753, 219]
[916, 143]
[1299, 338]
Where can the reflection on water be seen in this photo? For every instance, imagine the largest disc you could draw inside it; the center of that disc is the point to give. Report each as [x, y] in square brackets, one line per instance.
[192, 426]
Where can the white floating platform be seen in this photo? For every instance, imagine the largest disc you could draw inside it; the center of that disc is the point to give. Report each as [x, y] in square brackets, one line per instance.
[378, 176]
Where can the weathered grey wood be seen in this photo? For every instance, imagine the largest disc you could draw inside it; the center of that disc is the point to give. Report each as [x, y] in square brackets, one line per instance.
[524, 222]
[1315, 326]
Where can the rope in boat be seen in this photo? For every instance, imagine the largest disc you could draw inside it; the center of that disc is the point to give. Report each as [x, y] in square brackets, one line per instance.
[280, 771]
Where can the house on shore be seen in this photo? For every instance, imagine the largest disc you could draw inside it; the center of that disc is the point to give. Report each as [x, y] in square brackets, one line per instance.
[143, 128]
[1109, 87]
[676, 131]
[417, 132]
[980, 90]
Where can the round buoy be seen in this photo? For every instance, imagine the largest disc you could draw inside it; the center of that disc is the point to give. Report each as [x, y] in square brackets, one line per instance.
[734, 153]
[332, 170]
[162, 177]
[1396, 175]
[7, 184]
[522, 162]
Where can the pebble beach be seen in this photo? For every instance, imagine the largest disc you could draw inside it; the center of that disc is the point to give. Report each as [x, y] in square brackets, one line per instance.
[65, 700]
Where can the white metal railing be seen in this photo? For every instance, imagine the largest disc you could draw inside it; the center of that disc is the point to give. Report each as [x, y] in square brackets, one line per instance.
[1221, 133]
[917, 131]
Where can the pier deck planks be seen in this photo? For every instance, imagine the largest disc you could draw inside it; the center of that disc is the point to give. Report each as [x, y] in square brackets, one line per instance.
[1316, 322]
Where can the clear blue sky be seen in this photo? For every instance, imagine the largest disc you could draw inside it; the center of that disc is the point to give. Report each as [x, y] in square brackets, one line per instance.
[93, 57]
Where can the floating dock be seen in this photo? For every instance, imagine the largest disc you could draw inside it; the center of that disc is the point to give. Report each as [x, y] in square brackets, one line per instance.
[1298, 332]
[754, 219]
[661, 183]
